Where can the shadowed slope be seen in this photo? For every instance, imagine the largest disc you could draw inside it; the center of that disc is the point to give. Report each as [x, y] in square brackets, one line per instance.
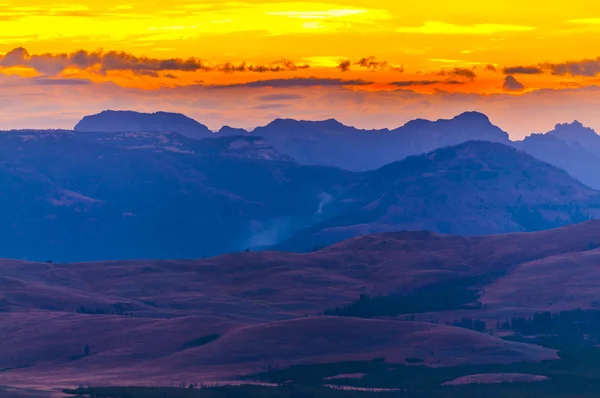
[469, 189]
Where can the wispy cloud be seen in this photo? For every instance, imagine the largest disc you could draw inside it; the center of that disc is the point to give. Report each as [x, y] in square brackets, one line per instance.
[414, 83]
[444, 28]
[459, 72]
[318, 14]
[296, 82]
[585, 21]
[280, 97]
[44, 81]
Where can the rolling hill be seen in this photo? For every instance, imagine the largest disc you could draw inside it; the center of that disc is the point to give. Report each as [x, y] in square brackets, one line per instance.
[219, 318]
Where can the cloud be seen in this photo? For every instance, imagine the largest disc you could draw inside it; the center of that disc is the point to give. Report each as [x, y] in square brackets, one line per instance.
[53, 64]
[523, 70]
[370, 63]
[280, 97]
[70, 10]
[512, 84]
[318, 14]
[587, 67]
[585, 21]
[488, 67]
[296, 82]
[270, 106]
[345, 65]
[26, 105]
[443, 28]
[460, 72]
[44, 81]
[410, 83]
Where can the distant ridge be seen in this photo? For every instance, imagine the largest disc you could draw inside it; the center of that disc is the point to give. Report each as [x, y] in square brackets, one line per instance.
[110, 121]
[571, 146]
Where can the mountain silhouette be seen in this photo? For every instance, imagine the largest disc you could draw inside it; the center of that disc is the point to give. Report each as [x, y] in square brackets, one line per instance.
[331, 143]
[132, 122]
[570, 146]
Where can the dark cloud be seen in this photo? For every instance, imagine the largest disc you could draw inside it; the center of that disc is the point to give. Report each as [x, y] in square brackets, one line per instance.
[297, 82]
[52, 64]
[523, 70]
[279, 66]
[370, 63]
[280, 97]
[410, 83]
[460, 72]
[43, 81]
[588, 67]
[512, 84]
[345, 65]
[118, 60]
[45, 63]
[488, 68]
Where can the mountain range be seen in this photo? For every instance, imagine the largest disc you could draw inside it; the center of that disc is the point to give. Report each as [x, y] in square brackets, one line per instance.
[570, 146]
[75, 196]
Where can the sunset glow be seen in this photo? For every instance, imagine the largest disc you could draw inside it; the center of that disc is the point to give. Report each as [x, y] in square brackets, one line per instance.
[466, 47]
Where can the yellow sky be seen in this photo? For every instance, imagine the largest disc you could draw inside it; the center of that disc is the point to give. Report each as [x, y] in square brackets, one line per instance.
[410, 32]
[459, 46]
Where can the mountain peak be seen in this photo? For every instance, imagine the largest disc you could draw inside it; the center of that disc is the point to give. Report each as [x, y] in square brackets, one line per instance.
[121, 121]
[576, 132]
[473, 116]
[228, 130]
[574, 123]
[575, 126]
[467, 126]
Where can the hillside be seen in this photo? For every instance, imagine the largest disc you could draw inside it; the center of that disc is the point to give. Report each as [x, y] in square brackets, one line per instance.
[473, 188]
[241, 313]
[82, 196]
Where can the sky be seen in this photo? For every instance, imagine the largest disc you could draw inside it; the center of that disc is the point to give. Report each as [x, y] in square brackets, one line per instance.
[370, 63]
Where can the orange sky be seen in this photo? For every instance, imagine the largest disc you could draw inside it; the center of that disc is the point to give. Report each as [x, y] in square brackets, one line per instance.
[486, 52]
